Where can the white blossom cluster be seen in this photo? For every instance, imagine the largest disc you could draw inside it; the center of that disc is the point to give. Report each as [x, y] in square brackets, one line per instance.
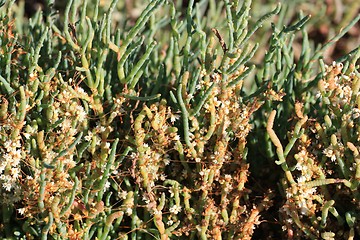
[10, 171]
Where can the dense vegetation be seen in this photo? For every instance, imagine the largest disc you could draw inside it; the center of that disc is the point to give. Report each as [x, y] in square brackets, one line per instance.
[179, 120]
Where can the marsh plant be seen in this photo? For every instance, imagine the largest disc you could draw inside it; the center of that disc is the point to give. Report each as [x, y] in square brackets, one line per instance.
[175, 120]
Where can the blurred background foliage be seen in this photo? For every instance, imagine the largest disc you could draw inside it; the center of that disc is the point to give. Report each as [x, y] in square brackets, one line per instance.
[327, 18]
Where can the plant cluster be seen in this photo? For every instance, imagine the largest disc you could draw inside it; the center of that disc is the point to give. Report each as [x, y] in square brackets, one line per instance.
[118, 123]
[322, 170]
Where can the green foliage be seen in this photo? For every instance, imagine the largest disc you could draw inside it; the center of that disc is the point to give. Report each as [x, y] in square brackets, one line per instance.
[167, 120]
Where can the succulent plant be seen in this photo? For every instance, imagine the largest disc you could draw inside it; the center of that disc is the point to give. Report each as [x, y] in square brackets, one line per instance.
[166, 120]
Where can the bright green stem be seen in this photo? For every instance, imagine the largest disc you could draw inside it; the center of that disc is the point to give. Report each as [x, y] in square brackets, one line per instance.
[47, 227]
[106, 173]
[72, 197]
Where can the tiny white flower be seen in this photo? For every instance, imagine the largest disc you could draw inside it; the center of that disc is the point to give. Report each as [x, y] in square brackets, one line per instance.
[107, 185]
[301, 179]
[330, 153]
[7, 186]
[21, 211]
[171, 192]
[174, 117]
[162, 177]
[89, 136]
[128, 211]
[26, 135]
[117, 101]
[166, 161]
[175, 209]
[80, 90]
[157, 212]
[81, 113]
[122, 194]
